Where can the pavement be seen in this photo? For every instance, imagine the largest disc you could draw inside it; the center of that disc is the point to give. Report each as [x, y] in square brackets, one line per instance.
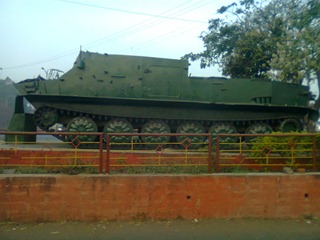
[222, 229]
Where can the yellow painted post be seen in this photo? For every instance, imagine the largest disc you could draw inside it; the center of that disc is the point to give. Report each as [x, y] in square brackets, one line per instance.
[15, 143]
[186, 155]
[75, 156]
[131, 144]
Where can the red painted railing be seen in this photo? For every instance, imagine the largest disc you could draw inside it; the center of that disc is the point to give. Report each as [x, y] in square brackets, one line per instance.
[272, 151]
[50, 153]
[215, 154]
[186, 146]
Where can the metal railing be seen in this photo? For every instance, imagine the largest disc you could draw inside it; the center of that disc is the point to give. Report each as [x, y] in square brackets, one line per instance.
[161, 154]
[72, 152]
[223, 152]
[272, 151]
[22, 149]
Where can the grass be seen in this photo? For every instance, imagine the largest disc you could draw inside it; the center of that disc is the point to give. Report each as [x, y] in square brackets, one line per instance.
[41, 170]
[163, 169]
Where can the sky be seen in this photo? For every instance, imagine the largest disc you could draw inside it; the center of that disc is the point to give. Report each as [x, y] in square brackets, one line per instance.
[48, 34]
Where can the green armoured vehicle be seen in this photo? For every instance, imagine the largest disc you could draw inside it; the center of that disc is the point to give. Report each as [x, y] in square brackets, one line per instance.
[116, 93]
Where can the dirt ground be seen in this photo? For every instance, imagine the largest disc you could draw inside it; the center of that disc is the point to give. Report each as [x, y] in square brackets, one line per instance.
[176, 229]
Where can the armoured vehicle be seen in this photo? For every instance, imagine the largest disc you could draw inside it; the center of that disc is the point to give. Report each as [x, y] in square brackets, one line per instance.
[117, 93]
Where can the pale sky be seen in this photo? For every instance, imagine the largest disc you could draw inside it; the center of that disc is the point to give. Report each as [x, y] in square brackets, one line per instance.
[49, 33]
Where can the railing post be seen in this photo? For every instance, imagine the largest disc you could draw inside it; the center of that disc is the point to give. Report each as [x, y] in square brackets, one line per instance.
[131, 145]
[210, 153]
[108, 154]
[314, 152]
[218, 154]
[15, 143]
[100, 153]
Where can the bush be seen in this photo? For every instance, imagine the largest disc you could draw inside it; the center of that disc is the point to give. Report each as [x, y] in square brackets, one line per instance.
[282, 145]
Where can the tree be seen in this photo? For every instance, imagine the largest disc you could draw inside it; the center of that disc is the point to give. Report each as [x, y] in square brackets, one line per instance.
[275, 38]
[298, 56]
[243, 45]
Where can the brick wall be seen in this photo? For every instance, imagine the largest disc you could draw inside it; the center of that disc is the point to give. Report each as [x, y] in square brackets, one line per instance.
[123, 197]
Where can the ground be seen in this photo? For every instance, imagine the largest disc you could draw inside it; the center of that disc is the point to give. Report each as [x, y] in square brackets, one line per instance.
[221, 229]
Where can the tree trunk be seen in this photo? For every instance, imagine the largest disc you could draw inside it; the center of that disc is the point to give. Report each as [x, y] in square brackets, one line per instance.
[317, 102]
[311, 126]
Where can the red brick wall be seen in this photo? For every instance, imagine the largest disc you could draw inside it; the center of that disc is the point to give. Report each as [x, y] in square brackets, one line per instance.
[119, 197]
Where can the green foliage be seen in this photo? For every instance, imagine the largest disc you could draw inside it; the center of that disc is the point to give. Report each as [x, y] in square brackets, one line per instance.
[31, 170]
[298, 54]
[74, 170]
[262, 39]
[239, 169]
[243, 42]
[281, 144]
[26, 170]
[41, 170]
[165, 169]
